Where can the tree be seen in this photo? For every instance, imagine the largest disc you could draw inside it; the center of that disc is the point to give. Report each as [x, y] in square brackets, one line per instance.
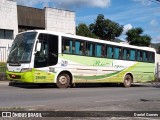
[158, 50]
[83, 30]
[135, 37]
[105, 28]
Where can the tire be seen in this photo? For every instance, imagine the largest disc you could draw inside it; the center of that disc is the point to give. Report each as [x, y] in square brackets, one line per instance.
[63, 81]
[127, 81]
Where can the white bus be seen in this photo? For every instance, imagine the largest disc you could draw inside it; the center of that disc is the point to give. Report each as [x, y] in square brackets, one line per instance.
[41, 56]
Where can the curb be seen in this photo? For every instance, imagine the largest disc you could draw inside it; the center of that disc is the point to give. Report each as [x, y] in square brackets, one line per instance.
[4, 82]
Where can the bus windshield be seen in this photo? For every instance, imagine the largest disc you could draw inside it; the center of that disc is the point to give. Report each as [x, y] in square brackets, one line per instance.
[21, 49]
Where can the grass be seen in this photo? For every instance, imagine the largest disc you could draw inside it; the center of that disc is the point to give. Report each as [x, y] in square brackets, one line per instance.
[2, 67]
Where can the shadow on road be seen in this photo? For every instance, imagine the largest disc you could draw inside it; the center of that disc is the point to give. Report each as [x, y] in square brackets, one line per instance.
[90, 85]
[31, 86]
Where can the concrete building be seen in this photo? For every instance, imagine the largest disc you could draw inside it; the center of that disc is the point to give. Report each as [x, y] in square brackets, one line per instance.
[16, 18]
[8, 22]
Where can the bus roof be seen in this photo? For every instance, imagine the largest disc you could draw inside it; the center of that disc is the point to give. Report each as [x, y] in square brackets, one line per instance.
[93, 40]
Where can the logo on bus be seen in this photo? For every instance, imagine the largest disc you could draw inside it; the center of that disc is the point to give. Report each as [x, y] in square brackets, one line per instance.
[64, 63]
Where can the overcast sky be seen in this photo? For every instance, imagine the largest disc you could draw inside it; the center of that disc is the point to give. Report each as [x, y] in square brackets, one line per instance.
[130, 13]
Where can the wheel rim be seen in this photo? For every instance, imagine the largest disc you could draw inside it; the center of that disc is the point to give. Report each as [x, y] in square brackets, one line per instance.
[128, 80]
[63, 80]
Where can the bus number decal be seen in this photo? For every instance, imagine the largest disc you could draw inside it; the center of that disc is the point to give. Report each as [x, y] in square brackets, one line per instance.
[40, 77]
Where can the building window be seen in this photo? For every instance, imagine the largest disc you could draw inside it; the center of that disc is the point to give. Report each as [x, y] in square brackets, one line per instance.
[6, 34]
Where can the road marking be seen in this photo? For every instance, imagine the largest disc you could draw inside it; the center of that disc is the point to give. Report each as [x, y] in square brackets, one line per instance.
[100, 101]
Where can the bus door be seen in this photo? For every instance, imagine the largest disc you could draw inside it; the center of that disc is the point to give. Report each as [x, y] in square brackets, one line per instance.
[48, 55]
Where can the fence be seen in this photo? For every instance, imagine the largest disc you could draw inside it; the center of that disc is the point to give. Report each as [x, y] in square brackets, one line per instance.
[3, 54]
[3, 59]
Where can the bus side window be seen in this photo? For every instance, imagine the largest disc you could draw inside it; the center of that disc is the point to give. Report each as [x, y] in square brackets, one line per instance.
[124, 54]
[151, 57]
[138, 55]
[67, 46]
[128, 54]
[89, 49]
[116, 53]
[79, 48]
[98, 50]
[109, 52]
[132, 55]
[144, 56]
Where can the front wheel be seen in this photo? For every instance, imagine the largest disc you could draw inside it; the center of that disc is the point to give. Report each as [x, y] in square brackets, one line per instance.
[127, 80]
[63, 81]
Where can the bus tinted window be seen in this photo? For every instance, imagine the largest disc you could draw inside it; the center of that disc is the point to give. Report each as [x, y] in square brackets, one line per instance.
[144, 56]
[151, 57]
[109, 52]
[98, 52]
[90, 49]
[78, 48]
[132, 55]
[124, 54]
[139, 55]
[67, 46]
[117, 52]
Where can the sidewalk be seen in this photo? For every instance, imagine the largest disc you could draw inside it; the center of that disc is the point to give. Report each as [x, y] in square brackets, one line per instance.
[4, 82]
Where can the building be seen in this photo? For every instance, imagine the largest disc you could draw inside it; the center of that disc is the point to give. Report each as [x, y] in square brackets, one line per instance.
[16, 18]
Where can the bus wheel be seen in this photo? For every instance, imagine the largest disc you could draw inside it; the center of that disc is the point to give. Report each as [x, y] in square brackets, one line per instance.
[127, 80]
[63, 80]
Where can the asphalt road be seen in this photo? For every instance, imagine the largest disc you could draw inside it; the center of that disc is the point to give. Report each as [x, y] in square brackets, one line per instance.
[90, 98]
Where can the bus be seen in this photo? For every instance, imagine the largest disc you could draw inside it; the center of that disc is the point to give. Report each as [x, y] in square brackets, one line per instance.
[41, 56]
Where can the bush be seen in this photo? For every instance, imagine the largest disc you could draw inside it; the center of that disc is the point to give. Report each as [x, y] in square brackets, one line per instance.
[2, 71]
[2, 64]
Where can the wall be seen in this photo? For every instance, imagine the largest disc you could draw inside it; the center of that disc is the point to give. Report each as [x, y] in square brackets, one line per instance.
[60, 20]
[8, 20]
[8, 13]
[55, 20]
[30, 18]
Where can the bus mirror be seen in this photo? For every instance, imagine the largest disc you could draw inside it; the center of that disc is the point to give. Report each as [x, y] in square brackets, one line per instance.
[38, 47]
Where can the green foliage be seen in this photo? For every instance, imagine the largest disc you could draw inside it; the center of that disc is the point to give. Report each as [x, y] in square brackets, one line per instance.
[83, 30]
[106, 29]
[135, 37]
[2, 64]
[2, 67]
[158, 50]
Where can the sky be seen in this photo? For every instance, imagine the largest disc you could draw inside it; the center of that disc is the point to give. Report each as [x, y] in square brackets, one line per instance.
[129, 13]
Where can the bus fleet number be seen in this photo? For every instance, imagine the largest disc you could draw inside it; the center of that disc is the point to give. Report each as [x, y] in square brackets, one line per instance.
[40, 77]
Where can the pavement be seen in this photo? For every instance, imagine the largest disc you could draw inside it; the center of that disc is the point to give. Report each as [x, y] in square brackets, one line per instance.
[4, 82]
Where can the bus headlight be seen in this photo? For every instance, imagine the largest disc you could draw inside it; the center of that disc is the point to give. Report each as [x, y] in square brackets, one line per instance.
[26, 69]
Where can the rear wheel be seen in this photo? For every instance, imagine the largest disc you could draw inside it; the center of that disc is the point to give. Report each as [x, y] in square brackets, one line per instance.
[63, 80]
[127, 80]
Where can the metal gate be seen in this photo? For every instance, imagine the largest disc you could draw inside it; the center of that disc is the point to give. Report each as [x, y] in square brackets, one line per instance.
[3, 54]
